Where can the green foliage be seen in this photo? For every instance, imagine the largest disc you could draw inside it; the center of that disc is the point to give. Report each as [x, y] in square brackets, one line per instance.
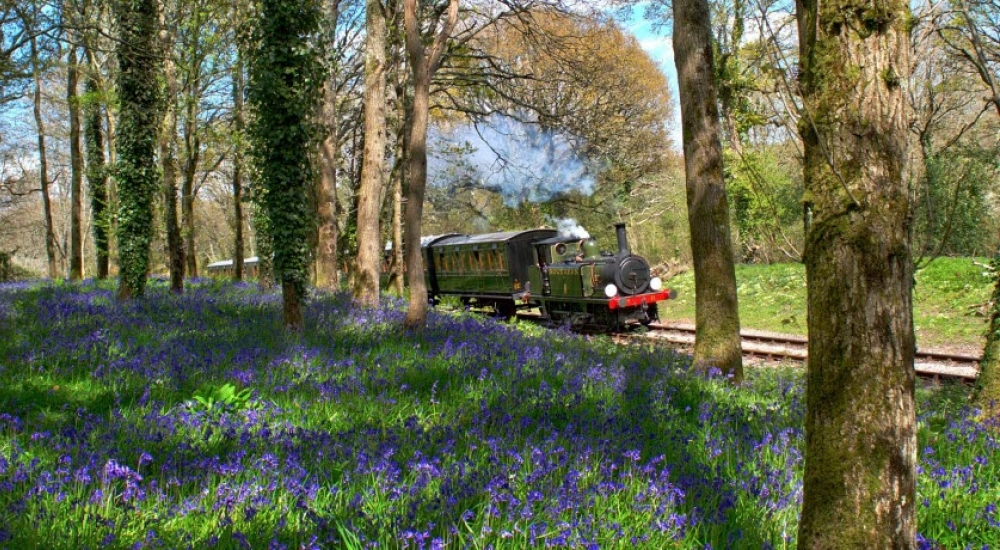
[953, 206]
[137, 173]
[224, 398]
[765, 194]
[286, 77]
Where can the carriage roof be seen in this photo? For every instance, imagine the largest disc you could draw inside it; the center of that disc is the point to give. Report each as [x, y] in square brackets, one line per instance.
[229, 263]
[499, 237]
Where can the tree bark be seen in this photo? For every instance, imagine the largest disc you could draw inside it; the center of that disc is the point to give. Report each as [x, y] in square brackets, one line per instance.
[97, 175]
[397, 264]
[168, 159]
[366, 280]
[424, 63]
[192, 154]
[43, 164]
[327, 275]
[860, 457]
[717, 319]
[239, 125]
[76, 168]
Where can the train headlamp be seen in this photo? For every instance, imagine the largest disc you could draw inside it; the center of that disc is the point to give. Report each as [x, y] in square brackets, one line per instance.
[656, 283]
[610, 291]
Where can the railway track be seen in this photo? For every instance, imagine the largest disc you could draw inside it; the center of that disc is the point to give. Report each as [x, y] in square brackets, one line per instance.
[765, 347]
[769, 347]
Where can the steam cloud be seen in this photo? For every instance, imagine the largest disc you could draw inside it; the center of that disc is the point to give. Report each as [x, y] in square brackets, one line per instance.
[522, 162]
[569, 228]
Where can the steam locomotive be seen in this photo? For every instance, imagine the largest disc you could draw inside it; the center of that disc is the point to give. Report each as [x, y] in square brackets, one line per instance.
[570, 280]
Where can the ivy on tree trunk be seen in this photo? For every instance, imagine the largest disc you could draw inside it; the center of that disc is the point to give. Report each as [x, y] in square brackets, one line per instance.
[286, 77]
[139, 62]
[97, 174]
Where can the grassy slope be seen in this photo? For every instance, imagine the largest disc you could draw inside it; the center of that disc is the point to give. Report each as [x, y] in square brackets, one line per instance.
[773, 297]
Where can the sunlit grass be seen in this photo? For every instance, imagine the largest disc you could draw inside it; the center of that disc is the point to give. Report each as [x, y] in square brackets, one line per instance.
[948, 299]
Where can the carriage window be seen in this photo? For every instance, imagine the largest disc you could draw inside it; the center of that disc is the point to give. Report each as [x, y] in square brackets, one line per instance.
[500, 259]
[477, 261]
[489, 260]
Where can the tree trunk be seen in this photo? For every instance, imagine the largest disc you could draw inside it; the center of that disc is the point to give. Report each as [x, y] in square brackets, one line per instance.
[366, 280]
[416, 314]
[397, 263]
[349, 246]
[97, 175]
[168, 158]
[327, 275]
[138, 54]
[286, 79]
[76, 168]
[264, 249]
[192, 153]
[239, 123]
[717, 319]
[860, 456]
[424, 63]
[43, 164]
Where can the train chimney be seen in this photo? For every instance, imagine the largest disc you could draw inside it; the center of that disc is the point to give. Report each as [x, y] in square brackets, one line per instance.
[622, 239]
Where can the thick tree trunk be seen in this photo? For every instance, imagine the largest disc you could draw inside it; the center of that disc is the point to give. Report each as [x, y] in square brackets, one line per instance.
[327, 275]
[138, 92]
[43, 164]
[292, 306]
[76, 168]
[860, 457]
[717, 319]
[416, 314]
[168, 159]
[239, 123]
[366, 280]
[97, 175]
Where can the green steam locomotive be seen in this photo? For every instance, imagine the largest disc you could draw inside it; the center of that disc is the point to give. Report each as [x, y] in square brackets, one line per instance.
[570, 280]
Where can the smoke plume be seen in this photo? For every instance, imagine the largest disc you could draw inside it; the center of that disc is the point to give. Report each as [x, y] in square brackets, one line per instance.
[522, 162]
[569, 228]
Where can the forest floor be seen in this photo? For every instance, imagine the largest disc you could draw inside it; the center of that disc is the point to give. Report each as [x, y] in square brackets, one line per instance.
[949, 306]
[196, 421]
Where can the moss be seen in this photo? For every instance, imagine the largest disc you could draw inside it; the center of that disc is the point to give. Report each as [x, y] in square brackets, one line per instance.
[890, 78]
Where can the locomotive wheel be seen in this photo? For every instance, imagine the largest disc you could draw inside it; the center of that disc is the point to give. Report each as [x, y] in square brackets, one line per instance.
[506, 309]
[651, 315]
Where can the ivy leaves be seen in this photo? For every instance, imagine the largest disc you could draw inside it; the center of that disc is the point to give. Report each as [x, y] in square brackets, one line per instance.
[286, 77]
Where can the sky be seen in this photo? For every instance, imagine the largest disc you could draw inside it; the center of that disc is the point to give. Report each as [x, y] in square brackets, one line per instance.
[659, 45]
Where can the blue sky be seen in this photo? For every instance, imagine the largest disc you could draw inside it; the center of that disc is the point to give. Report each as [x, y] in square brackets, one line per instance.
[659, 45]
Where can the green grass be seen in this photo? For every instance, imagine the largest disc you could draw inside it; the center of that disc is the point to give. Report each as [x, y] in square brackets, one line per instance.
[948, 297]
